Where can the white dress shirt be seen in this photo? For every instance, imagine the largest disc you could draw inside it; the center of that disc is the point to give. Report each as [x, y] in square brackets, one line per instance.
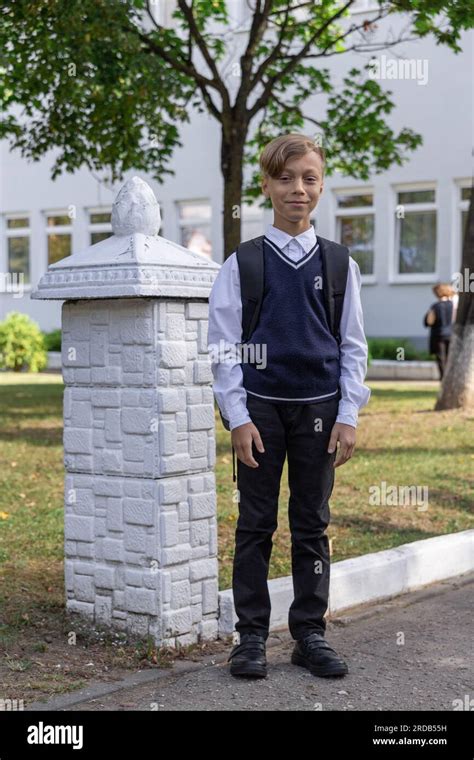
[225, 330]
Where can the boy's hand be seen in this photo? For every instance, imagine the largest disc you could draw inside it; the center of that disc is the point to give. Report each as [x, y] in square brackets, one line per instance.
[242, 437]
[346, 435]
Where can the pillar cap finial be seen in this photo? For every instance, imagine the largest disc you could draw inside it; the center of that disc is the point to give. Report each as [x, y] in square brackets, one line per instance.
[136, 209]
[135, 261]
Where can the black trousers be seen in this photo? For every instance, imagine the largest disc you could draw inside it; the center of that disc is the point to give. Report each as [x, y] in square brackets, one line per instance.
[441, 350]
[302, 432]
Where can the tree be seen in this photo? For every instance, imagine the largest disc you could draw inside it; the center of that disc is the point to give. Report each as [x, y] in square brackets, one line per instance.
[457, 389]
[104, 83]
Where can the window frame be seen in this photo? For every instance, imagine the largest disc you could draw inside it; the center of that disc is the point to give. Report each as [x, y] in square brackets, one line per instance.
[395, 277]
[97, 226]
[193, 221]
[59, 229]
[17, 232]
[339, 212]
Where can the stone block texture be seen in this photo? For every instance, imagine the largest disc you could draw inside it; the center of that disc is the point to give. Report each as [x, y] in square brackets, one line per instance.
[139, 454]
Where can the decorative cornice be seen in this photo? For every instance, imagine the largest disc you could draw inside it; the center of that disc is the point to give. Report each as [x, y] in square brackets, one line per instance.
[137, 263]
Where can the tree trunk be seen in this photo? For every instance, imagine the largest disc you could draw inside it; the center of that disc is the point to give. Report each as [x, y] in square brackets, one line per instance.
[232, 153]
[458, 380]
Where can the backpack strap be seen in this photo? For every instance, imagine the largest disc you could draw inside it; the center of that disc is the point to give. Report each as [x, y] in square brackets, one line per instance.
[251, 268]
[250, 258]
[335, 259]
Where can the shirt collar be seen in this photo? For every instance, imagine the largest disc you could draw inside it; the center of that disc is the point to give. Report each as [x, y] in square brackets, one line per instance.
[306, 239]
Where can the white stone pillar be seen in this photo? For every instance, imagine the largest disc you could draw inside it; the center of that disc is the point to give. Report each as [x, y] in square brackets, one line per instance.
[139, 442]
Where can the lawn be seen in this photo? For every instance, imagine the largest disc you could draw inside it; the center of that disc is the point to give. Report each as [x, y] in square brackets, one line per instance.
[400, 440]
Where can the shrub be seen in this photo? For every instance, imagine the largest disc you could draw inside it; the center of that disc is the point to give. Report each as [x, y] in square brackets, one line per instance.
[386, 348]
[22, 344]
[52, 340]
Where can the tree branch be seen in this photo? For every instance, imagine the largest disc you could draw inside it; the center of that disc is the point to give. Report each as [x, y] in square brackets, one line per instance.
[293, 8]
[199, 39]
[273, 55]
[295, 108]
[256, 34]
[365, 47]
[292, 61]
[183, 65]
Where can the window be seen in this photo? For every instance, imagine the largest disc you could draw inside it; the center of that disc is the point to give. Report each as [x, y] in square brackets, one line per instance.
[416, 231]
[18, 246]
[59, 233]
[355, 227]
[100, 227]
[195, 226]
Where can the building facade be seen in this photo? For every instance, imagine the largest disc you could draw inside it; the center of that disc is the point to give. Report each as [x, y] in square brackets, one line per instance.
[404, 227]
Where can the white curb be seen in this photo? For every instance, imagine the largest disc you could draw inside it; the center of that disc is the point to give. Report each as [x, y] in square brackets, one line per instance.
[54, 360]
[372, 577]
[390, 369]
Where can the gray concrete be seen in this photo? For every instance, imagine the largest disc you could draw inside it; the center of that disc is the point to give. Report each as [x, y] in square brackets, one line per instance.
[390, 369]
[430, 671]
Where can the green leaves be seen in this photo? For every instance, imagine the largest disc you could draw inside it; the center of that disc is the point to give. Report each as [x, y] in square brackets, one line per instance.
[88, 87]
[22, 343]
[104, 83]
[358, 139]
[444, 20]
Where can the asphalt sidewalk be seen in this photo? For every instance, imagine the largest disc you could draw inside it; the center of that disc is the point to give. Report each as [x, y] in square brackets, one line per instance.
[415, 652]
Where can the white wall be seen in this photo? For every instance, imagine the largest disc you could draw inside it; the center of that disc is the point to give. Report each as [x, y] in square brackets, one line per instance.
[438, 110]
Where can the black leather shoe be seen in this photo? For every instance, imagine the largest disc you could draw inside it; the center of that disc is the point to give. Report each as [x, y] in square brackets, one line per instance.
[314, 653]
[248, 658]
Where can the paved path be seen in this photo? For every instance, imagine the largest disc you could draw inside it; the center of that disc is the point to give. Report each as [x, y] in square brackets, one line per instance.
[415, 652]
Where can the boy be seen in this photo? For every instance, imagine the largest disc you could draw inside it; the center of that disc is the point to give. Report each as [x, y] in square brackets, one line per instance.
[300, 403]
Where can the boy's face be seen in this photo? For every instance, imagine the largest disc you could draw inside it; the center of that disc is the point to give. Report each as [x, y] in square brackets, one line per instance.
[296, 191]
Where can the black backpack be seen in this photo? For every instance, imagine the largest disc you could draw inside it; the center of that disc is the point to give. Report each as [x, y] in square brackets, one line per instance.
[335, 261]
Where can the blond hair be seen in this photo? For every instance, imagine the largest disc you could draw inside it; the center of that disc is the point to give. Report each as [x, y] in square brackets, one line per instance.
[443, 289]
[280, 150]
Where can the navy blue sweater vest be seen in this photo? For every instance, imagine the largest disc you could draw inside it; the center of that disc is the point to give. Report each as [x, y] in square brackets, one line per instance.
[302, 355]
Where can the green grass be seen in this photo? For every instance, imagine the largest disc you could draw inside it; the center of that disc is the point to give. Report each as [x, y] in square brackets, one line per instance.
[400, 440]
[31, 468]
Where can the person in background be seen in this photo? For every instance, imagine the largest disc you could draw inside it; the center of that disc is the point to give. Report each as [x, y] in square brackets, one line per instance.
[439, 318]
